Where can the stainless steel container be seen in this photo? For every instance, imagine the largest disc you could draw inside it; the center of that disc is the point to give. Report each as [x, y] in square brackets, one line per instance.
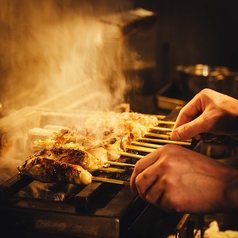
[194, 78]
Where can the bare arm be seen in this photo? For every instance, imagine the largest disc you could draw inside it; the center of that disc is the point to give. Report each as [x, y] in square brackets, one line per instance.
[177, 179]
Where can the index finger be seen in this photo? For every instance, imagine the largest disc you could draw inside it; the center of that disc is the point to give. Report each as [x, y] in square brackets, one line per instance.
[191, 110]
[141, 165]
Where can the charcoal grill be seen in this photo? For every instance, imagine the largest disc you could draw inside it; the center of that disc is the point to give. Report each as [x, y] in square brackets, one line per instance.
[96, 210]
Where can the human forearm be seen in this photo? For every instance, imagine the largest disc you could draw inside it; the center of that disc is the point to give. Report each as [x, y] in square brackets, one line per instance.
[177, 179]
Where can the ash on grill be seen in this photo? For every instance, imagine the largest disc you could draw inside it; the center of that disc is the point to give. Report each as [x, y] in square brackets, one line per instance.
[97, 210]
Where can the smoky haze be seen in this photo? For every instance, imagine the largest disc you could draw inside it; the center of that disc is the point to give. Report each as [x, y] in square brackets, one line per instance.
[49, 46]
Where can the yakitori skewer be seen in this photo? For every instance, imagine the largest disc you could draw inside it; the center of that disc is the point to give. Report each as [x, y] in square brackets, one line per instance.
[109, 180]
[131, 155]
[120, 164]
[140, 148]
[166, 122]
[156, 135]
[148, 145]
[112, 170]
[165, 141]
[158, 128]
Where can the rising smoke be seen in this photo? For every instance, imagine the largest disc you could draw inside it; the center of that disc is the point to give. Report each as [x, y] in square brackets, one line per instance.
[49, 46]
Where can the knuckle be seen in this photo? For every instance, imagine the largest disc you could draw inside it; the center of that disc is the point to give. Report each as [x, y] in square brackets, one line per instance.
[140, 181]
[205, 92]
[151, 199]
[170, 203]
[187, 131]
[137, 168]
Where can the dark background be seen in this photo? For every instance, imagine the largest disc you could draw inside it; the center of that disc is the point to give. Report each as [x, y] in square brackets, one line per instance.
[186, 33]
[195, 32]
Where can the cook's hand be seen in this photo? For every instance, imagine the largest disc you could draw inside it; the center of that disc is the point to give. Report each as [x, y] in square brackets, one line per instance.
[174, 178]
[208, 112]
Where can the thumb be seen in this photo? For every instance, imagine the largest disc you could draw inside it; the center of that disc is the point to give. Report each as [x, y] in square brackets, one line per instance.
[187, 131]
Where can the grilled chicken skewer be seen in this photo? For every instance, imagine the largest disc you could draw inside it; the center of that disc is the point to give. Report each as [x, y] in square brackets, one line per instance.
[71, 156]
[62, 165]
[49, 171]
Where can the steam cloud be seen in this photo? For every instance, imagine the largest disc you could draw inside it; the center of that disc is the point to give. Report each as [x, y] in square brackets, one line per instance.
[49, 46]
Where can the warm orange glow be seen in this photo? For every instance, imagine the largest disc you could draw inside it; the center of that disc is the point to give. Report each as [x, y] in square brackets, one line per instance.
[49, 46]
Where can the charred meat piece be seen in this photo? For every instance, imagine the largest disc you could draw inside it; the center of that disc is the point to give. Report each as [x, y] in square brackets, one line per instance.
[71, 156]
[82, 158]
[51, 171]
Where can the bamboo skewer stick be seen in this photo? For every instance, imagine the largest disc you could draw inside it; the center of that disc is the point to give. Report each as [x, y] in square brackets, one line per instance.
[135, 156]
[120, 164]
[116, 170]
[108, 180]
[166, 122]
[150, 145]
[157, 128]
[138, 148]
[166, 141]
[161, 136]
[112, 170]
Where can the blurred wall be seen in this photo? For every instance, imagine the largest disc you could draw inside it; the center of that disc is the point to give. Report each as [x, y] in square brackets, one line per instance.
[48, 46]
[187, 32]
[193, 32]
